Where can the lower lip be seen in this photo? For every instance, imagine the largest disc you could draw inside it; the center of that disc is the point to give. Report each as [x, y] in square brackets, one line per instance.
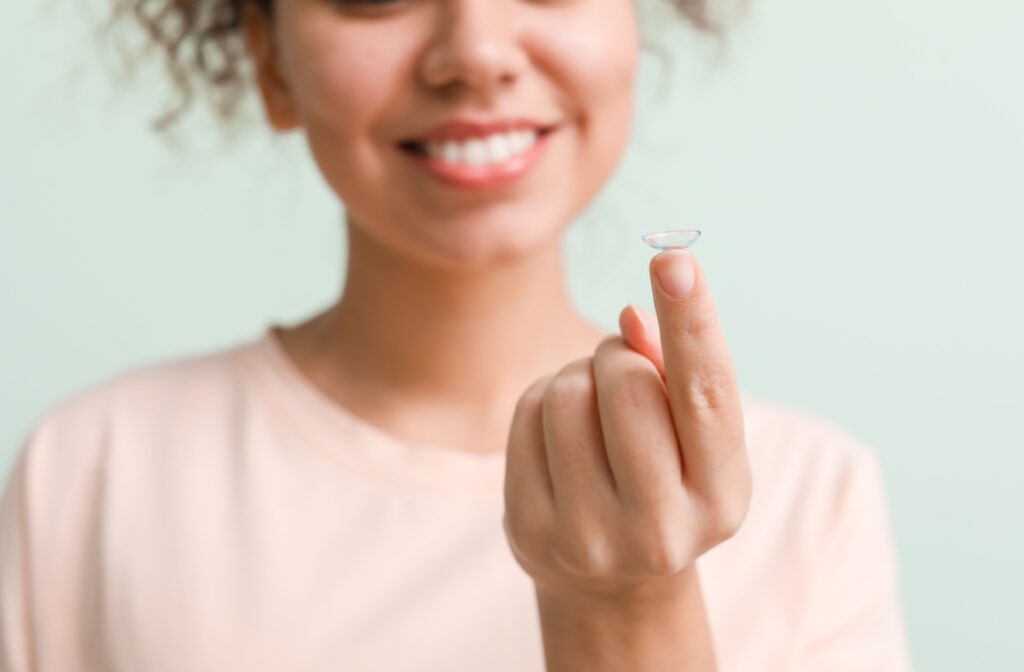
[489, 176]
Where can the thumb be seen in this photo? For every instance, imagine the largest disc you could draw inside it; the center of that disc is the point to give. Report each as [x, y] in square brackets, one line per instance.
[640, 330]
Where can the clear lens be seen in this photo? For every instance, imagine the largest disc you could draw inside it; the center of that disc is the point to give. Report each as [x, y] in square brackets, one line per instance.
[671, 240]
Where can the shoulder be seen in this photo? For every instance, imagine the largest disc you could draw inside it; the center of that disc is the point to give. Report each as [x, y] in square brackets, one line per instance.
[130, 400]
[817, 541]
[812, 474]
[786, 438]
[149, 390]
[133, 408]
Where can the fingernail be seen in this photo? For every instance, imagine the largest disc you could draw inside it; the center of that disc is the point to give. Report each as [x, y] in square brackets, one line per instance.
[676, 273]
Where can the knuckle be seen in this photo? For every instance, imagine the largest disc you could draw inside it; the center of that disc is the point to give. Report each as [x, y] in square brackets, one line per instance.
[663, 549]
[665, 554]
[576, 366]
[711, 390]
[726, 518]
[609, 345]
[655, 545]
[574, 382]
[586, 555]
[526, 549]
[533, 396]
[528, 530]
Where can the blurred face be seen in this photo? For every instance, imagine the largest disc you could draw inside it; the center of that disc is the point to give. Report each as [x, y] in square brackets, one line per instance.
[461, 132]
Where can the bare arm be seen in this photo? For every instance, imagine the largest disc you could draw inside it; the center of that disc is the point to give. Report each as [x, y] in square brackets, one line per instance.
[640, 636]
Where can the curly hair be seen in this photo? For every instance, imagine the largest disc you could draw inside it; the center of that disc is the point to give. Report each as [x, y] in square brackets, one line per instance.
[203, 47]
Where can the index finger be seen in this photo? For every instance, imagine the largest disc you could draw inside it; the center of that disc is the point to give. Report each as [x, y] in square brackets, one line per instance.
[699, 376]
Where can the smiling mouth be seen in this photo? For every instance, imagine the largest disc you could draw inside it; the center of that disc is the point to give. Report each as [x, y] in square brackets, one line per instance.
[493, 149]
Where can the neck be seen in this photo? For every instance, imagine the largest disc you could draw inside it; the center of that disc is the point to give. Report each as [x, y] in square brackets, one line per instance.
[407, 334]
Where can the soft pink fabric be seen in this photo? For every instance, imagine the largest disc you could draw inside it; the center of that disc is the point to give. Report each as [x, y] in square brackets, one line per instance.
[218, 512]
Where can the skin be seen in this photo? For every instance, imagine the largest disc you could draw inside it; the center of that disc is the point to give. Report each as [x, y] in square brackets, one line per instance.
[475, 287]
[623, 468]
[625, 457]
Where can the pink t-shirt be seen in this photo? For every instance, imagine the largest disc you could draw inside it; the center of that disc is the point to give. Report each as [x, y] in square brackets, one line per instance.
[218, 512]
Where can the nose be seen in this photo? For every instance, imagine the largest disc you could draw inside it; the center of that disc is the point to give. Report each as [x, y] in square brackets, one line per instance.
[475, 47]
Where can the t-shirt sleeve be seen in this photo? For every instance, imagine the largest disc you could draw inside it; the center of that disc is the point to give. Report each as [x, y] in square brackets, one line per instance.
[854, 618]
[46, 513]
[15, 616]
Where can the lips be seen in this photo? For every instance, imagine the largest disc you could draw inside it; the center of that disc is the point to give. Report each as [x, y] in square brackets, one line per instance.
[469, 166]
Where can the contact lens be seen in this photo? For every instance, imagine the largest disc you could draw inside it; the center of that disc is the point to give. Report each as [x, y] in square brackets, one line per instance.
[671, 240]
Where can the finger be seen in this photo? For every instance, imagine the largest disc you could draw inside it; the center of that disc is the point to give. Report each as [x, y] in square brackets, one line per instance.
[582, 478]
[639, 434]
[526, 467]
[639, 328]
[699, 375]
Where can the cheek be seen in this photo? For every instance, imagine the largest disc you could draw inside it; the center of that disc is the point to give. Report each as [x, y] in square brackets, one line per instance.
[340, 78]
[593, 54]
[343, 77]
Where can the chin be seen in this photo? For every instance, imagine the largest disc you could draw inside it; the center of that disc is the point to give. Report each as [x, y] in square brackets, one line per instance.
[483, 239]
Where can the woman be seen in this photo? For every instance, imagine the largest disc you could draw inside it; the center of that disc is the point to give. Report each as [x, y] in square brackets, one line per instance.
[449, 469]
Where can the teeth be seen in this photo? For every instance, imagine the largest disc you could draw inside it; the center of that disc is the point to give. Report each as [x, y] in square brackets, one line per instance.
[476, 153]
[499, 148]
[450, 152]
[496, 148]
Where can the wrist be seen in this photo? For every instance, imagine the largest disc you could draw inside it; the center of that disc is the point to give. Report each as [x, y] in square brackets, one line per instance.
[659, 626]
[665, 593]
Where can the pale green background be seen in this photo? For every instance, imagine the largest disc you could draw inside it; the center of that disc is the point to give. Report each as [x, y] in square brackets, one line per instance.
[856, 167]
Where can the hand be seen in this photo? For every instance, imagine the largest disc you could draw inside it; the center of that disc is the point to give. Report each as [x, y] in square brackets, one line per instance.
[626, 466]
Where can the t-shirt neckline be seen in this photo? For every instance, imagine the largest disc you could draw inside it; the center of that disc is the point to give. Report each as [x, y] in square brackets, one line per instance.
[365, 447]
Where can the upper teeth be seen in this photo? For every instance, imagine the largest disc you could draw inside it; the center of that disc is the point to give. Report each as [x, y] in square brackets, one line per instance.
[496, 148]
